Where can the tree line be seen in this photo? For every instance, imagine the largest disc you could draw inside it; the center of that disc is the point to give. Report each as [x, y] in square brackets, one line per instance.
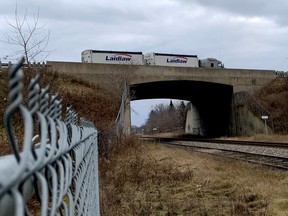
[164, 118]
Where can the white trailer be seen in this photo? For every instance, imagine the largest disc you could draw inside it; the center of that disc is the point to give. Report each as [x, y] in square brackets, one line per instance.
[112, 57]
[175, 60]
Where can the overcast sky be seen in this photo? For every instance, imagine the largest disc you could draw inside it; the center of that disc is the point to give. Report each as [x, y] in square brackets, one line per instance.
[242, 34]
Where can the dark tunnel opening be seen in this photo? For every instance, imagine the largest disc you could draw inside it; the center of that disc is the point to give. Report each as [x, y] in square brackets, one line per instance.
[212, 100]
[214, 107]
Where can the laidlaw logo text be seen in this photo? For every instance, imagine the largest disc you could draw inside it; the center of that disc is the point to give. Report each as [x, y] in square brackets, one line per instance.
[119, 57]
[177, 59]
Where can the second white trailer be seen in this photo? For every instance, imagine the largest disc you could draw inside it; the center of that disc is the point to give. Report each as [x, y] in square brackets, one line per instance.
[175, 60]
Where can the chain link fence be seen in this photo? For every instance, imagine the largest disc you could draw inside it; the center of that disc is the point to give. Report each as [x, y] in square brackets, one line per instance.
[53, 170]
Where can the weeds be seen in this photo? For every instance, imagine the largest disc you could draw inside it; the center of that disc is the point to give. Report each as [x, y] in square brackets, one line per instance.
[90, 101]
[139, 179]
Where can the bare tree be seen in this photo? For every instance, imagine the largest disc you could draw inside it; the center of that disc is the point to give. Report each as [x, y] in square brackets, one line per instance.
[29, 36]
[166, 117]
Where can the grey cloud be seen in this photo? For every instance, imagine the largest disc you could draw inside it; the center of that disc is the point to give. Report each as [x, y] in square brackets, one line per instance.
[275, 10]
[58, 10]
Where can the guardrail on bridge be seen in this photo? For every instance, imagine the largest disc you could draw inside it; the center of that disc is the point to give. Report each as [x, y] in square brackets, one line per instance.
[57, 167]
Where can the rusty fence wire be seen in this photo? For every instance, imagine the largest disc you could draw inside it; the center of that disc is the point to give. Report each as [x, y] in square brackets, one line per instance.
[54, 169]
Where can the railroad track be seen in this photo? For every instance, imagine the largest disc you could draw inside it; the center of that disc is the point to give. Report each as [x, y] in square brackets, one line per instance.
[271, 154]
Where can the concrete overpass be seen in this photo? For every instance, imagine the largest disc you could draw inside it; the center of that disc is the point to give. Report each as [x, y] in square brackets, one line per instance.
[210, 90]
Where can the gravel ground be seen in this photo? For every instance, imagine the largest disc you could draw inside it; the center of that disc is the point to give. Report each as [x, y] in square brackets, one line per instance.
[267, 151]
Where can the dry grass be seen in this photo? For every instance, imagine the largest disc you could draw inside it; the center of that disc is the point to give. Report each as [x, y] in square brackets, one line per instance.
[151, 179]
[90, 101]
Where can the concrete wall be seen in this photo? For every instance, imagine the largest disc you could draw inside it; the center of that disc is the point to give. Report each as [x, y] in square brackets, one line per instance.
[247, 123]
[193, 124]
[240, 79]
[242, 122]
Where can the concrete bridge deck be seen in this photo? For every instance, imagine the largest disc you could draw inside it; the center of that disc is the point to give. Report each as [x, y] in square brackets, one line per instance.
[240, 79]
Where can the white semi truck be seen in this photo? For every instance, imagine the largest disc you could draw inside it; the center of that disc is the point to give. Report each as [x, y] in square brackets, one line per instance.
[180, 60]
[153, 59]
[112, 57]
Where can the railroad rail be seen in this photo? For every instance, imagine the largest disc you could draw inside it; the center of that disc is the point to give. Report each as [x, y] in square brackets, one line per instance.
[272, 154]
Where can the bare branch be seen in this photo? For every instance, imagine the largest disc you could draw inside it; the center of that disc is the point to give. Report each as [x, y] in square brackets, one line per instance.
[27, 35]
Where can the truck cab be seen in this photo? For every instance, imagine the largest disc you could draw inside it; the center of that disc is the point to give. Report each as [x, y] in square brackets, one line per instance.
[210, 63]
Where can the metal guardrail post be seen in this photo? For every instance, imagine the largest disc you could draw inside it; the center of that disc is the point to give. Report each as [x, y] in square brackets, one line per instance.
[58, 164]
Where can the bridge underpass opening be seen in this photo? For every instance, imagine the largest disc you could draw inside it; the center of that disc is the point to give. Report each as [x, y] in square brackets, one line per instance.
[141, 109]
[213, 100]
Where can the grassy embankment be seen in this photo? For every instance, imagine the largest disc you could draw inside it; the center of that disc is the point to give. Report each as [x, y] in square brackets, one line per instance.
[89, 101]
